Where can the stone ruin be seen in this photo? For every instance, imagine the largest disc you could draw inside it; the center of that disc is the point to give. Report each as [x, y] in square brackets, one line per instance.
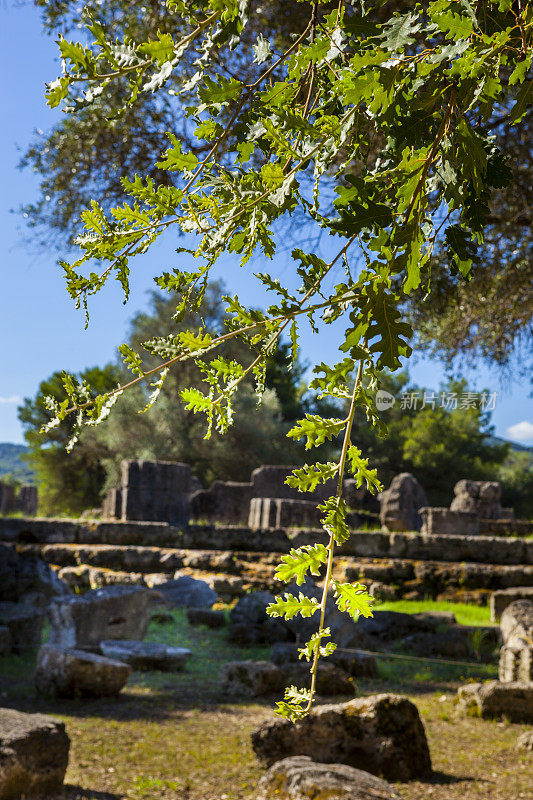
[475, 509]
[24, 501]
[152, 491]
[401, 504]
[511, 696]
[165, 491]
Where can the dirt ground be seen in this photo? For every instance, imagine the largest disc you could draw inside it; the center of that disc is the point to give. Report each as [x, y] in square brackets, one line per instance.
[170, 736]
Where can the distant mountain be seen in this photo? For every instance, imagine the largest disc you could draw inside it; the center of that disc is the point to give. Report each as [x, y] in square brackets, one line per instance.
[12, 464]
[513, 445]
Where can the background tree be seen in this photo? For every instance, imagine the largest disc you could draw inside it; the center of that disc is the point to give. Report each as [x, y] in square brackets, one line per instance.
[71, 482]
[68, 483]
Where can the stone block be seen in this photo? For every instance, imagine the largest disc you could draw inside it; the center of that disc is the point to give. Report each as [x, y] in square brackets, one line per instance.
[493, 700]
[502, 598]
[446, 522]
[224, 501]
[480, 497]
[383, 733]
[147, 655]
[21, 573]
[401, 502]
[156, 491]
[33, 755]
[185, 591]
[525, 741]
[112, 504]
[25, 625]
[116, 612]
[271, 512]
[299, 778]
[27, 500]
[76, 673]
[8, 502]
[206, 616]
[251, 678]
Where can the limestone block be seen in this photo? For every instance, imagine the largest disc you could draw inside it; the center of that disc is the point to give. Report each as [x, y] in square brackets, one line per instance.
[25, 624]
[383, 733]
[502, 598]
[115, 612]
[516, 664]
[147, 655]
[299, 778]
[492, 700]
[447, 522]
[76, 673]
[401, 502]
[33, 754]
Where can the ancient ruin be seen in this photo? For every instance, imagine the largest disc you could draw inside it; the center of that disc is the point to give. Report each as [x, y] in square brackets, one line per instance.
[25, 500]
[475, 509]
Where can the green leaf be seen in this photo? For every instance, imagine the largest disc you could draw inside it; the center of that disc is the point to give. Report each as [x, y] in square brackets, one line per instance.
[316, 430]
[333, 521]
[524, 99]
[289, 606]
[131, 359]
[314, 645]
[353, 598]
[298, 563]
[294, 706]
[175, 159]
[307, 478]
[160, 49]
[361, 472]
[455, 26]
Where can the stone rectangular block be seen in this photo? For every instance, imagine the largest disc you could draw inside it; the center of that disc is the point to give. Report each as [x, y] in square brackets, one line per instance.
[502, 598]
[494, 700]
[114, 612]
[445, 522]
[33, 755]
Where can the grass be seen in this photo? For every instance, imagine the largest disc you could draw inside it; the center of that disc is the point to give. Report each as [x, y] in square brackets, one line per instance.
[175, 736]
[464, 614]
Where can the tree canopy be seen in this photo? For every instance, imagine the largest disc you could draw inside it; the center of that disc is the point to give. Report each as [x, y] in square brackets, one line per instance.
[86, 154]
[395, 112]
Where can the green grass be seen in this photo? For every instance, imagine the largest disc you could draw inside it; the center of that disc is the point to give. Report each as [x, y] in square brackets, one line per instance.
[464, 614]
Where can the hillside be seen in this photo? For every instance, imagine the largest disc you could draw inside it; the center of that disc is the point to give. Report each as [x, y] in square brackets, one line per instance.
[12, 464]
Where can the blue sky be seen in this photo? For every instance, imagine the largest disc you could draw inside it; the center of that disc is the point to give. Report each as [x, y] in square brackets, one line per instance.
[40, 329]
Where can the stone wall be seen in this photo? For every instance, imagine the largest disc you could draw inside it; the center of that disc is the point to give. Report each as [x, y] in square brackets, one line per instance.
[479, 549]
[224, 501]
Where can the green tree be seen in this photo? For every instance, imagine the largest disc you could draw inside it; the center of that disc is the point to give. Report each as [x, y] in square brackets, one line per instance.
[169, 431]
[443, 447]
[424, 87]
[516, 476]
[67, 483]
[71, 482]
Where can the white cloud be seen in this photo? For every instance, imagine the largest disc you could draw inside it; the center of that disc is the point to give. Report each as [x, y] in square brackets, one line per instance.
[14, 398]
[521, 432]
